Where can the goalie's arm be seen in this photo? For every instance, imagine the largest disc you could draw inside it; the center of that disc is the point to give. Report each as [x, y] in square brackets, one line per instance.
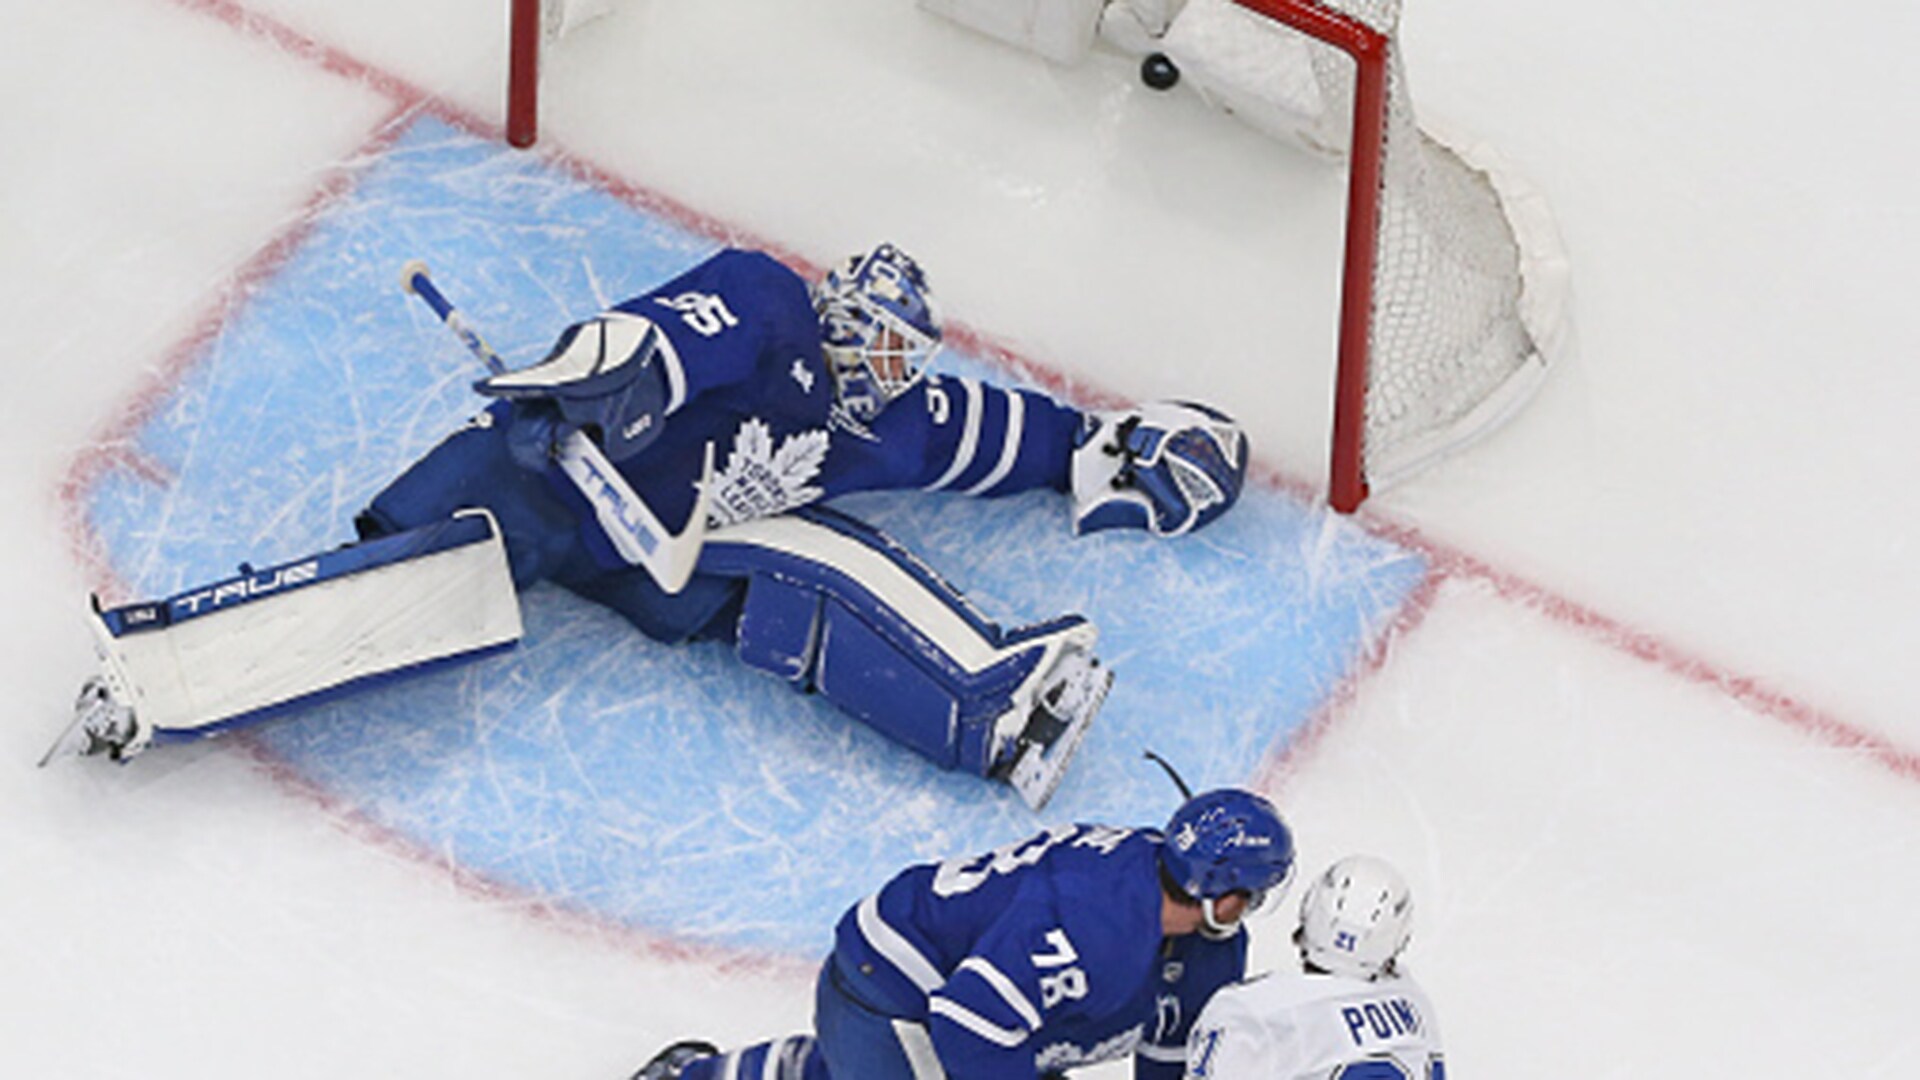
[711, 332]
[631, 526]
[1165, 467]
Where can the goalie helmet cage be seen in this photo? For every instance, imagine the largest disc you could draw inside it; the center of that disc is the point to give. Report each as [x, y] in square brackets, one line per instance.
[1453, 285]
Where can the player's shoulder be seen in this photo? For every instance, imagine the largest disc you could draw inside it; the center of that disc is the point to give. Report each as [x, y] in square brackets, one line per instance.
[1105, 886]
[1270, 993]
[743, 274]
[1402, 1001]
[757, 268]
[1100, 852]
[1087, 862]
[930, 400]
[1263, 1011]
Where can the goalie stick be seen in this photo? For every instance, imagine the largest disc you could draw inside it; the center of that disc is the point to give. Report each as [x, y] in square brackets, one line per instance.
[636, 533]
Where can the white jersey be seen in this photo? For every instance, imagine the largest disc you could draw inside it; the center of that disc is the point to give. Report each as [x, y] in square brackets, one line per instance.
[1316, 1027]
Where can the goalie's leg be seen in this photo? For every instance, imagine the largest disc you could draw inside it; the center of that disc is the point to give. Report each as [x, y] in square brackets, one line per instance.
[251, 646]
[835, 606]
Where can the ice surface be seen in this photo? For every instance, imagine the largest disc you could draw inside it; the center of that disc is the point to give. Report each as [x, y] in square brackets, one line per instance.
[1647, 749]
[618, 779]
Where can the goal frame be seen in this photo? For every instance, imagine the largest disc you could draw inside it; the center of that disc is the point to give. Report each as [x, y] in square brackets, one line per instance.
[1347, 485]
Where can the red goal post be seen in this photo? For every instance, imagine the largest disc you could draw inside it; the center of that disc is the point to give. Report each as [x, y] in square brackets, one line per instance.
[533, 26]
[1453, 283]
[1347, 483]
[524, 33]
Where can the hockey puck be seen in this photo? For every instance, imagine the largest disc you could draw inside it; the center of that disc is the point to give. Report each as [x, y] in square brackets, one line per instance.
[1159, 72]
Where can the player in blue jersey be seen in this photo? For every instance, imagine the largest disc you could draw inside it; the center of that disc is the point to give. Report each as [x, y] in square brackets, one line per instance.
[795, 395]
[1085, 943]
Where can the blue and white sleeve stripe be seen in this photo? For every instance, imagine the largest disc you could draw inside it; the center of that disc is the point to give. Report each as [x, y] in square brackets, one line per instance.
[1007, 441]
[984, 1002]
[976, 1025]
[1009, 445]
[998, 982]
[895, 948]
[969, 444]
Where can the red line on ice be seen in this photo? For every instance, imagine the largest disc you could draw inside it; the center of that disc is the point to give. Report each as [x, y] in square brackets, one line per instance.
[1684, 664]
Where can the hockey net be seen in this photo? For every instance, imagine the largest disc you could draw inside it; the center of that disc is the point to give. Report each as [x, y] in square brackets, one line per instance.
[1454, 281]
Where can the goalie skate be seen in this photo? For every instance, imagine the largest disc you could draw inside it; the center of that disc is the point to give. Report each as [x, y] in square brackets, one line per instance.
[102, 724]
[1071, 693]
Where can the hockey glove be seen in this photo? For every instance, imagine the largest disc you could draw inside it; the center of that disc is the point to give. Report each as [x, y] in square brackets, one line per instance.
[1166, 467]
[607, 376]
[535, 431]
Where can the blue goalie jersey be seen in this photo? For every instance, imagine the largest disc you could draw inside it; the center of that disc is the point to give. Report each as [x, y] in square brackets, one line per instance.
[744, 372]
[735, 363]
[1036, 957]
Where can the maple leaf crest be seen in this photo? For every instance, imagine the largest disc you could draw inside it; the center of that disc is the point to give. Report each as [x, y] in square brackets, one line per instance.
[798, 461]
[760, 480]
[753, 442]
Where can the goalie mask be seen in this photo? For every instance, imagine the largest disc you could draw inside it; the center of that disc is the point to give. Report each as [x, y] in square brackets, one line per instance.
[1228, 841]
[878, 328]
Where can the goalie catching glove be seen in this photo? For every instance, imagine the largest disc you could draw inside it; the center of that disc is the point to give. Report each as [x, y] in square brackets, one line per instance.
[1167, 467]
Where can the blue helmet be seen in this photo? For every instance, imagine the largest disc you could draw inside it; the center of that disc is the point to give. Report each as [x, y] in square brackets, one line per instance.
[1226, 841]
[878, 327]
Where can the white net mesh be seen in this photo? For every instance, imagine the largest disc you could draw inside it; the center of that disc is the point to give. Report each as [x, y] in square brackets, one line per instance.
[1467, 275]
[1448, 336]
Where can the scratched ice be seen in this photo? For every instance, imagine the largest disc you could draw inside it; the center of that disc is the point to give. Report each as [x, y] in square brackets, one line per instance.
[633, 781]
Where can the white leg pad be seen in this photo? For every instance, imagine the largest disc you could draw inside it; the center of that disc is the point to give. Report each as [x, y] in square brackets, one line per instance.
[255, 644]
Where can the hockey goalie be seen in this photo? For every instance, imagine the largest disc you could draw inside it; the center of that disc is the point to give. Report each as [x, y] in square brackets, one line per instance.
[730, 403]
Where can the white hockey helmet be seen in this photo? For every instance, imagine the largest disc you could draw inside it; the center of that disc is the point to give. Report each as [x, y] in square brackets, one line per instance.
[1355, 918]
[879, 326]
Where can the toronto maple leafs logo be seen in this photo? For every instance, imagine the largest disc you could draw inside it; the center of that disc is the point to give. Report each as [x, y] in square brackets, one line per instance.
[760, 479]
